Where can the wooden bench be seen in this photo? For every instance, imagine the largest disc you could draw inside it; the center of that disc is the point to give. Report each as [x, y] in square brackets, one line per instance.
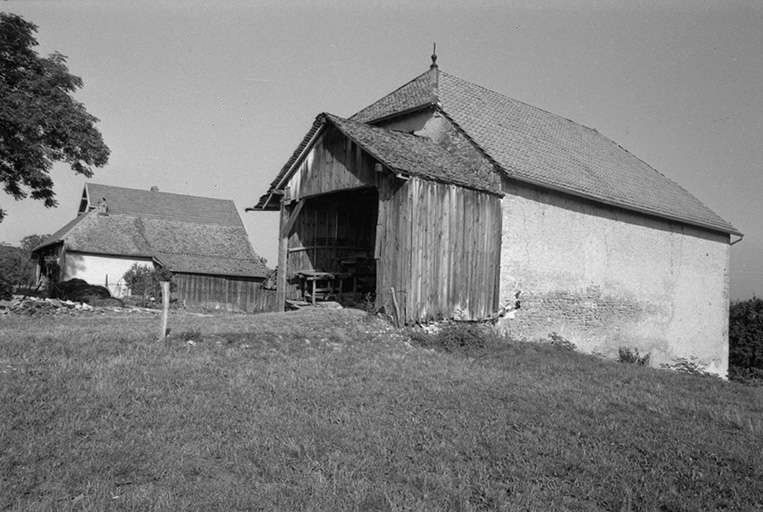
[323, 284]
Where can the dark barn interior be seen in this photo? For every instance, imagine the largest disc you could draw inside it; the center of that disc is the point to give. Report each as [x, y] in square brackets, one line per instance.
[334, 234]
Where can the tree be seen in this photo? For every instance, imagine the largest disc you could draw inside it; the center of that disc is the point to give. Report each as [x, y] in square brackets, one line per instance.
[40, 121]
[144, 280]
[16, 269]
[31, 241]
[746, 339]
[16, 265]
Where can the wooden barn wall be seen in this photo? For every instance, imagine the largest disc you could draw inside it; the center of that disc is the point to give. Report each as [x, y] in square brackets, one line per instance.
[334, 164]
[328, 229]
[438, 246]
[223, 292]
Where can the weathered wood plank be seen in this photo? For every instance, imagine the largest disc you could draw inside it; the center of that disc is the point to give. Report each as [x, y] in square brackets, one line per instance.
[283, 242]
[333, 164]
[223, 292]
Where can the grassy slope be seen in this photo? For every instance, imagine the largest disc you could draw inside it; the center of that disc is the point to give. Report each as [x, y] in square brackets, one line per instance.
[330, 411]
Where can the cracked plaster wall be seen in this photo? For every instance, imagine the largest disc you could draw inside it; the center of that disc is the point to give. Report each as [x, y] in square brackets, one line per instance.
[606, 278]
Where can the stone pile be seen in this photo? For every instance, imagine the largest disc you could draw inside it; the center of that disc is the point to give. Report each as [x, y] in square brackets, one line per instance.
[36, 306]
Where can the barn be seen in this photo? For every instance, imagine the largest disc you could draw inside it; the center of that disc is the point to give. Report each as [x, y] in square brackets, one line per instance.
[448, 200]
[201, 240]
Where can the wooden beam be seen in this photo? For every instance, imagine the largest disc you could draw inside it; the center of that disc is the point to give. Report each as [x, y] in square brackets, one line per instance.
[283, 245]
[286, 228]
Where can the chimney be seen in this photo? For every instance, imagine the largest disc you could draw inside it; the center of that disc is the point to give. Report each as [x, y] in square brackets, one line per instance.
[102, 207]
[154, 188]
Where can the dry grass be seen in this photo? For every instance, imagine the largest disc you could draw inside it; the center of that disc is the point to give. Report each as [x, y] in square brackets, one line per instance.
[332, 411]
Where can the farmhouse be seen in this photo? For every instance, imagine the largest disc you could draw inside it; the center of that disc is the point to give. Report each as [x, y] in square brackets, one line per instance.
[449, 200]
[200, 239]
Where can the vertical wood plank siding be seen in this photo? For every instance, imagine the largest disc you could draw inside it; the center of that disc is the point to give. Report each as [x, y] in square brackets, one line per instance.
[335, 163]
[438, 246]
[224, 292]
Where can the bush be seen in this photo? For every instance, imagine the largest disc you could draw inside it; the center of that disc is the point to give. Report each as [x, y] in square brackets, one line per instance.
[746, 339]
[560, 341]
[463, 338]
[144, 281]
[632, 356]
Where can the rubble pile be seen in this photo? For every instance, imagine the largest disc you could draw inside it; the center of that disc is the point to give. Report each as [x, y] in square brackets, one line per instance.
[38, 306]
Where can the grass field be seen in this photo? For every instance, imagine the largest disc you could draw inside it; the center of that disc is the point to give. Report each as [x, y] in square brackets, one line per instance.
[332, 410]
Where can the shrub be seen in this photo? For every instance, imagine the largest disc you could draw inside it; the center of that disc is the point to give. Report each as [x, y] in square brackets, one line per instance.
[632, 356]
[746, 339]
[751, 376]
[560, 341]
[466, 338]
[144, 280]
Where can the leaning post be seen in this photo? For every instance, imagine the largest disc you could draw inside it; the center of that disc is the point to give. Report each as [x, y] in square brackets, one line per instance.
[165, 307]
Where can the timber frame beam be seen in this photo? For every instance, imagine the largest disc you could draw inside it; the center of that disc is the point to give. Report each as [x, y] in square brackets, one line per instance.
[289, 215]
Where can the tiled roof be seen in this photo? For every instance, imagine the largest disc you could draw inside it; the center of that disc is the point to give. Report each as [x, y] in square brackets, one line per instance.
[405, 153]
[419, 156]
[164, 205]
[264, 203]
[535, 146]
[419, 92]
[182, 245]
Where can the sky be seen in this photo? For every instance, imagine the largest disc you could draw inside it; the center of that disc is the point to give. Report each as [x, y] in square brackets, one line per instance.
[211, 97]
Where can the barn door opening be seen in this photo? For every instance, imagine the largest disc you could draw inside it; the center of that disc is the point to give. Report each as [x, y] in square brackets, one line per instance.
[331, 248]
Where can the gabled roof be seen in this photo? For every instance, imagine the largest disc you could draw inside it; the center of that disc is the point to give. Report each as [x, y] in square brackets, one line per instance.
[191, 243]
[161, 205]
[534, 146]
[420, 92]
[402, 153]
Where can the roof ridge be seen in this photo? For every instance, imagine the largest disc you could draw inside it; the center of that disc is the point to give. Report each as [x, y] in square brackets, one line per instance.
[610, 192]
[597, 132]
[523, 103]
[159, 217]
[158, 192]
[435, 87]
[256, 256]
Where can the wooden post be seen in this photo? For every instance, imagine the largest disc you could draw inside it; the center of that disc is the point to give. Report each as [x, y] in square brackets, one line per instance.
[283, 247]
[396, 306]
[288, 217]
[165, 307]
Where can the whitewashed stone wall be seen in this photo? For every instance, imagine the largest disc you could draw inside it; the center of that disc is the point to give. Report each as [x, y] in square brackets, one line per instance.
[606, 278]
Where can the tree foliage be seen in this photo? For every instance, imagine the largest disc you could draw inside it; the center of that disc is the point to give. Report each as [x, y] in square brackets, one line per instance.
[31, 241]
[144, 280]
[746, 339]
[16, 265]
[40, 121]
[16, 269]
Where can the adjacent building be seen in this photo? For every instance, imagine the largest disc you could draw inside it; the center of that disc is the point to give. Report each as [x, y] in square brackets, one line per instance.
[201, 240]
